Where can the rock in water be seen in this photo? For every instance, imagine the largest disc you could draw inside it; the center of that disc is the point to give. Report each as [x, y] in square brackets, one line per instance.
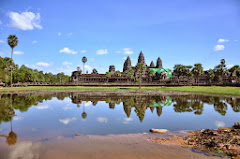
[158, 130]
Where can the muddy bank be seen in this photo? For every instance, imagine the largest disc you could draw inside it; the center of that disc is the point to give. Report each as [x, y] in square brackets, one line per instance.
[129, 146]
[219, 142]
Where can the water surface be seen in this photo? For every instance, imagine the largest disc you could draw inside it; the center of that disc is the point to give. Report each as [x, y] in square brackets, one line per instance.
[48, 117]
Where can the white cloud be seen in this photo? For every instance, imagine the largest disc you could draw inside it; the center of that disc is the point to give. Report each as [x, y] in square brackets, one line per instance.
[230, 66]
[1, 41]
[69, 34]
[18, 118]
[34, 42]
[66, 63]
[68, 51]
[43, 106]
[67, 120]
[127, 51]
[127, 120]
[67, 108]
[18, 53]
[25, 20]
[87, 104]
[124, 58]
[59, 33]
[88, 68]
[102, 51]
[26, 150]
[219, 47]
[42, 64]
[83, 51]
[223, 40]
[220, 124]
[102, 119]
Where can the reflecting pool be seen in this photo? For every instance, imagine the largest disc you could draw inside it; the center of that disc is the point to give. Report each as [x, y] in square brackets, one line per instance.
[42, 117]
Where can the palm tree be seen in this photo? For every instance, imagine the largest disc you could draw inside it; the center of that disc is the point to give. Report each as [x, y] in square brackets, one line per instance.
[197, 70]
[78, 68]
[12, 42]
[151, 73]
[118, 73]
[84, 60]
[12, 136]
[179, 70]
[140, 68]
[108, 74]
[84, 114]
[129, 73]
[211, 75]
[221, 69]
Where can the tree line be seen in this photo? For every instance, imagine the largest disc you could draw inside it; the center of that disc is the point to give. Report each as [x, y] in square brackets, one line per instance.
[217, 74]
[25, 74]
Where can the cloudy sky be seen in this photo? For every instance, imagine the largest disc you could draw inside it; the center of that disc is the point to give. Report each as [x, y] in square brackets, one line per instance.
[54, 35]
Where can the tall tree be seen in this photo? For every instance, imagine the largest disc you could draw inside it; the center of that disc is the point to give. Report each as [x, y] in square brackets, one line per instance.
[12, 42]
[118, 73]
[108, 74]
[84, 60]
[221, 69]
[179, 70]
[197, 71]
[235, 70]
[78, 68]
[129, 74]
[140, 68]
[211, 75]
[187, 72]
[151, 73]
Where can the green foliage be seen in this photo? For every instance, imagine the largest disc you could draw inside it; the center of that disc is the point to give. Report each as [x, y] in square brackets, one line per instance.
[5, 68]
[108, 74]
[25, 74]
[129, 73]
[211, 74]
[221, 70]
[140, 67]
[12, 41]
[118, 73]
[151, 73]
[84, 59]
[197, 69]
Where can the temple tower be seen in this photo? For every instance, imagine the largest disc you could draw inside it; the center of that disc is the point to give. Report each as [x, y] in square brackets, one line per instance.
[127, 64]
[112, 69]
[152, 64]
[141, 58]
[159, 63]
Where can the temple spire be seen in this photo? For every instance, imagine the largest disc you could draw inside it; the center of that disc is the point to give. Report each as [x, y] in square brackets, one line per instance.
[127, 64]
[152, 64]
[141, 58]
[159, 63]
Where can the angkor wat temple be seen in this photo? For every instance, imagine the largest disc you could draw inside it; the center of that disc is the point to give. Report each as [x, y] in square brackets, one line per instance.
[161, 76]
[160, 73]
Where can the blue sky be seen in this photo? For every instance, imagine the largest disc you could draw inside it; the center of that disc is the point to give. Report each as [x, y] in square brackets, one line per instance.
[54, 35]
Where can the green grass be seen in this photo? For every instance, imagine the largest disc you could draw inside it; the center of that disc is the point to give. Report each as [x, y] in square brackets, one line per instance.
[195, 89]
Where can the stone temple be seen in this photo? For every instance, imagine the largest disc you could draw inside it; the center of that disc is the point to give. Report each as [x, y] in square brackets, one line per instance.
[159, 73]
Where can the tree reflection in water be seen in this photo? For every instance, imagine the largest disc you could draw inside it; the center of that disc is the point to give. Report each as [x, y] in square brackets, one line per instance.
[12, 136]
[180, 103]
